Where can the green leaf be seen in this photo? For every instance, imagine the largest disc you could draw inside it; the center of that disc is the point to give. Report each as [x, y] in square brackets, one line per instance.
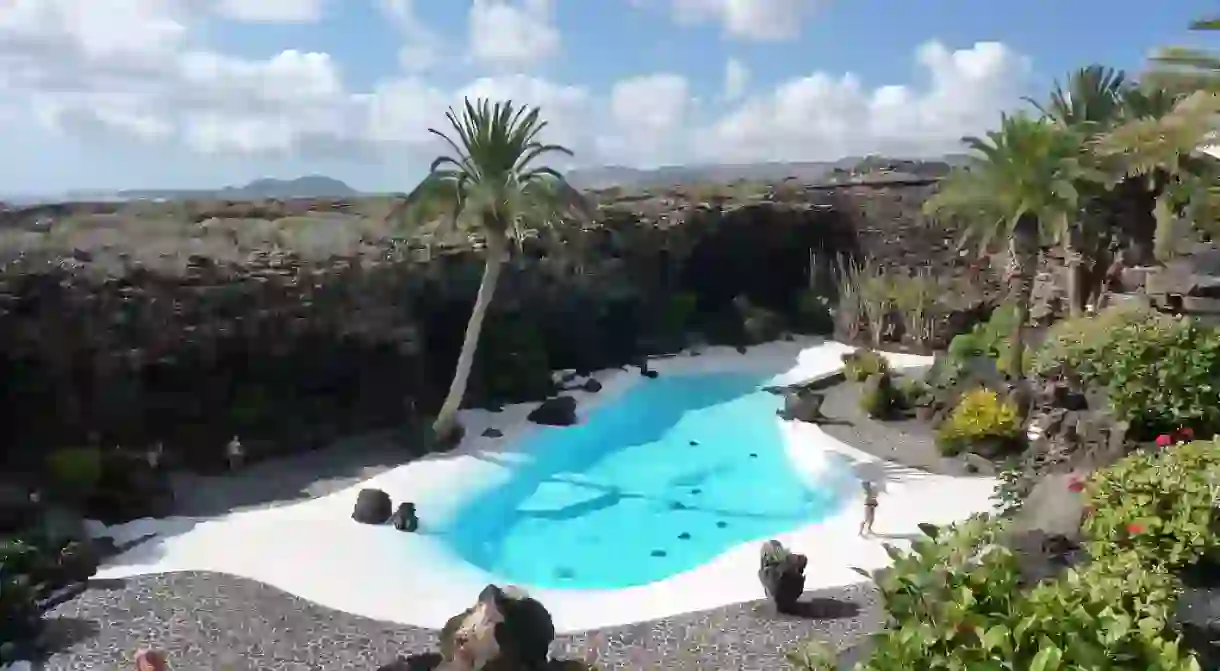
[995, 637]
[1048, 658]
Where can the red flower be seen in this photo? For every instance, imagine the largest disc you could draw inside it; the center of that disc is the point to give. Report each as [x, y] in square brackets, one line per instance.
[1075, 485]
[1186, 433]
[1134, 528]
[1164, 440]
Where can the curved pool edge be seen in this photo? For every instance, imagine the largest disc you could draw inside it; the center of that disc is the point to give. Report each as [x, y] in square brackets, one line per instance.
[431, 584]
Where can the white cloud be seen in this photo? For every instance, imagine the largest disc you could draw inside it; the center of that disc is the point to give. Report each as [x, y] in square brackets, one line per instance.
[648, 115]
[136, 69]
[270, 11]
[767, 20]
[736, 78]
[513, 36]
[826, 116]
[422, 48]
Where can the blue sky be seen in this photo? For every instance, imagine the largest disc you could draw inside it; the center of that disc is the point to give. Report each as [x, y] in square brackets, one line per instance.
[162, 93]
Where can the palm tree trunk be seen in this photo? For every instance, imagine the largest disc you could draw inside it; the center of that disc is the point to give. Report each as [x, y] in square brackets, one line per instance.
[1022, 265]
[1075, 280]
[446, 419]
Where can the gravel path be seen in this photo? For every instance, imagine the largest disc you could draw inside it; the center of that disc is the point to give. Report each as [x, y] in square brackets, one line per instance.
[907, 442]
[219, 622]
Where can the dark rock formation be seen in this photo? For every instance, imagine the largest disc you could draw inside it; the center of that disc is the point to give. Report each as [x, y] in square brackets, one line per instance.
[373, 506]
[492, 432]
[803, 406]
[558, 411]
[782, 574]
[592, 386]
[404, 518]
[506, 630]
[1197, 612]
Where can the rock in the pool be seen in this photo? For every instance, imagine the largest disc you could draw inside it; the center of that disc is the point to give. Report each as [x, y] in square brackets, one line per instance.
[803, 406]
[492, 433]
[404, 518]
[592, 386]
[373, 506]
[558, 411]
[505, 630]
[782, 574]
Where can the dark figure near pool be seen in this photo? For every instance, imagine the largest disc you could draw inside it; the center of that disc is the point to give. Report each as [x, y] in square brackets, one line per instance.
[782, 574]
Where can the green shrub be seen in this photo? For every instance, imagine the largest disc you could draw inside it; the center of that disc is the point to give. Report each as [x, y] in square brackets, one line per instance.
[74, 472]
[877, 301]
[1160, 504]
[980, 415]
[955, 601]
[916, 300]
[1011, 488]
[861, 364]
[1081, 345]
[1114, 613]
[20, 618]
[812, 656]
[878, 398]
[991, 339]
[849, 310]
[911, 392]
[1161, 375]
[813, 313]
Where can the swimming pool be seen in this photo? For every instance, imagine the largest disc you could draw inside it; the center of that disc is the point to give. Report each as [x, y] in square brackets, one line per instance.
[656, 481]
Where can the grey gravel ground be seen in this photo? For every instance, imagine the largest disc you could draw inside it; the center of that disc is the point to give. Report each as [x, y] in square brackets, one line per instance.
[218, 622]
[906, 442]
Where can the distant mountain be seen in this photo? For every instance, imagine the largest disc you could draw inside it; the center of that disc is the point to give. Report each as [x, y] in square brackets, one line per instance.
[311, 186]
[844, 169]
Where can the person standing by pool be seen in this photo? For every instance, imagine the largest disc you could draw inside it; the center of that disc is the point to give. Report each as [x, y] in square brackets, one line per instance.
[870, 506]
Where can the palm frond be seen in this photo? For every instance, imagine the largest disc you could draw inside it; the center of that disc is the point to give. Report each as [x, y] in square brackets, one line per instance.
[1091, 95]
[489, 178]
[1148, 144]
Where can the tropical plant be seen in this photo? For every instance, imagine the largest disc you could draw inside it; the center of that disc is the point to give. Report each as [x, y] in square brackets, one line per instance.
[980, 415]
[1020, 185]
[1090, 102]
[955, 600]
[490, 185]
[862, 364]
[1154, 159]
[1160, 504]
[916, 299]
[1082, 346]
[1161, 375]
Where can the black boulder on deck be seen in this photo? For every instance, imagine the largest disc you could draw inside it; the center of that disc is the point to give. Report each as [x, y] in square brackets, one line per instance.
[782, 574]
[373, 506]
[558, 411]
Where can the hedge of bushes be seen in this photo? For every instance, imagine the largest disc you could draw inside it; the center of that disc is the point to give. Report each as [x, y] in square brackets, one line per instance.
[1160, 372]
[957, 598]
[31, 569]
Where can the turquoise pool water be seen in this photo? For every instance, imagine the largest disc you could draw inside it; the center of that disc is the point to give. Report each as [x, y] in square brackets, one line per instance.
[656, 481]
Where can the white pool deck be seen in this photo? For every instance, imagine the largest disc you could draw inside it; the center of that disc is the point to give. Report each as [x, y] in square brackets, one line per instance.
[314, 550]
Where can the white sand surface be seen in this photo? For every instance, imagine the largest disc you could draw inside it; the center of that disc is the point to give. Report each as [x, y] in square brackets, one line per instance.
[314, 550]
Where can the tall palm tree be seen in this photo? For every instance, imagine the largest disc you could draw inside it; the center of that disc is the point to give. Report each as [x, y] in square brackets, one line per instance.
[1162, 148]
[1091, 102]
[490, 185]
[1019, 185]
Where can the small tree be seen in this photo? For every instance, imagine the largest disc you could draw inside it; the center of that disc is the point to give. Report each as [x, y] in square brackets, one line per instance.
[490, 185]
[1020, 185]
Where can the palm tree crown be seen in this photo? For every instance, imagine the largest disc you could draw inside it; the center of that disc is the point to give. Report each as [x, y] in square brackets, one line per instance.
[489, 182]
